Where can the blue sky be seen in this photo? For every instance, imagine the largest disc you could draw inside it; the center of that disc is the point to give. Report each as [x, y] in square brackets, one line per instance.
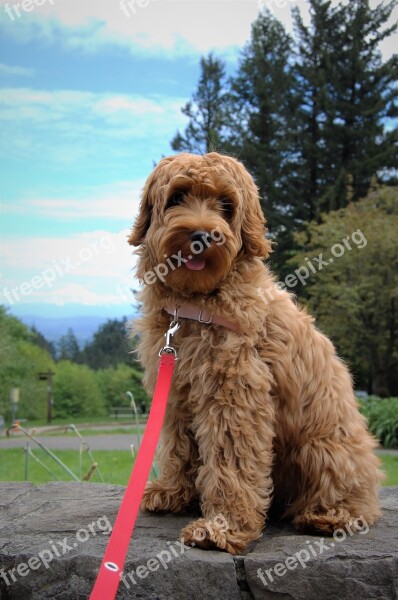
[90, 95]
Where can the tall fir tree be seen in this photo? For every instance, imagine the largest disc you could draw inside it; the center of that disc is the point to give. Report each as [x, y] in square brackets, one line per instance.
[260, 110]
[362, 92]
[68, 347]
[345, 93]
[313, 51]
[206, 111]
[109, 347]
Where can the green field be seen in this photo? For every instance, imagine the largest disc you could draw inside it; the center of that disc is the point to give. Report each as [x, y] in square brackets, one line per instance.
[390, 467]
[115, 466]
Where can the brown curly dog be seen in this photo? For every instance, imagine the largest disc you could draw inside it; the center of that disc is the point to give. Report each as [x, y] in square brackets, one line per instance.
[261, 408]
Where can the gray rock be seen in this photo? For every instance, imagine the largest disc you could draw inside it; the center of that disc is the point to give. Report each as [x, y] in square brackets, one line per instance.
[363, 565]
[53, 536]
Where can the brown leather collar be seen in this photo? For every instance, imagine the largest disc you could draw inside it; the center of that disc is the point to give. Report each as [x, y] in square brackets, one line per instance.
[190, 311]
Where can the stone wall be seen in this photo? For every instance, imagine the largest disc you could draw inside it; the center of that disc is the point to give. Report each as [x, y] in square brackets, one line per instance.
[52, 538]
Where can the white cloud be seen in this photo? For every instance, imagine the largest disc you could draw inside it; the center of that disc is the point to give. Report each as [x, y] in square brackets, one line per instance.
[87, 268]
[79, 294]
[93, 254]
[15, 70]
[118, 200]
[64, 101]
[70, 125]
[119, 104]
[154, 27]
[174, 27]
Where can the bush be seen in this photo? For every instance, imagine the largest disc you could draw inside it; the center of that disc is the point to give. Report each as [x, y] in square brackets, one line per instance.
[382, 416]
[76, 391]
[116, 381]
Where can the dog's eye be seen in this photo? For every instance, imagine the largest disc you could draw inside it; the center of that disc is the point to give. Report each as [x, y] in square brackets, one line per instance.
[227, 207]
[175, 199]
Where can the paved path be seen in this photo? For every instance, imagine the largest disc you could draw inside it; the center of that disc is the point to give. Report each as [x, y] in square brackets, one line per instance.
[118, 441]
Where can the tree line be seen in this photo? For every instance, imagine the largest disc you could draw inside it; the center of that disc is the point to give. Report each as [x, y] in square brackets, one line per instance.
[86, 382]
[110, 346]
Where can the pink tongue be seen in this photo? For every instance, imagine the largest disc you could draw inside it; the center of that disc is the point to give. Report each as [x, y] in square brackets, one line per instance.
[195, 264]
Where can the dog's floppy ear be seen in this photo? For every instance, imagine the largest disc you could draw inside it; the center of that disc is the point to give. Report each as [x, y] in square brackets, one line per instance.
[144, 217]
[141, 224]
[252, 219]
[151, 191]
[253, 225]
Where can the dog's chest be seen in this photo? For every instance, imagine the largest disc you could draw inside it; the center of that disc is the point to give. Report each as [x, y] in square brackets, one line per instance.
[198, 347]
[208, 356]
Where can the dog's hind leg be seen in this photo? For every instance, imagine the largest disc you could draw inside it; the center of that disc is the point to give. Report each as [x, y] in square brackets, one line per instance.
[339, 485]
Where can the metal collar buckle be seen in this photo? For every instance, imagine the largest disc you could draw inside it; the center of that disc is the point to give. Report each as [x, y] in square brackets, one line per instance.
[202, 321]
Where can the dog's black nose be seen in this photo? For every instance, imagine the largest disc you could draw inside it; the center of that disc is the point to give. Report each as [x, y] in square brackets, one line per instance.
[203, 237]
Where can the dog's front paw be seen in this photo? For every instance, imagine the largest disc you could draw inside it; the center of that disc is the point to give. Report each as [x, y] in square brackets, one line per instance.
[158, 498]
[211, 536]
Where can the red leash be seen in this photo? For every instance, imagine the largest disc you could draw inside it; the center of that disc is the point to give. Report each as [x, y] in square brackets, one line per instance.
[111, 570]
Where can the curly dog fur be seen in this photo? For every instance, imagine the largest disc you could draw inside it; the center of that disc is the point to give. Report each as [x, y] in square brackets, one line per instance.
[265, 414]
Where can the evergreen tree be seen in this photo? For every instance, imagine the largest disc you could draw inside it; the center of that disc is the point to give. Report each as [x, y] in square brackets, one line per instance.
[261, 107]
[344, 93]
[206, 111]
[39, 339]
[361, 93]
[68, 347]
[110, 346]
[313, 52]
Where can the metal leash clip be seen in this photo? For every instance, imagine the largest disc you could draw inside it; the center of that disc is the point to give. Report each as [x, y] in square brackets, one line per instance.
[172, 330]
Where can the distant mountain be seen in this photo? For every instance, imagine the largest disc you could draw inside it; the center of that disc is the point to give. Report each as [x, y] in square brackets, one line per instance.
[53, 328]
[53, 321]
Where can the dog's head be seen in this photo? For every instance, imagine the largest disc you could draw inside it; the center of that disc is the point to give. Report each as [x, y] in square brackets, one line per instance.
[197, 215]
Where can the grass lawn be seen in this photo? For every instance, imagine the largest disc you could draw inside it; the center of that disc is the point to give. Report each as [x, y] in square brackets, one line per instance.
[115, 466]
[85, 429]
[390, 467]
